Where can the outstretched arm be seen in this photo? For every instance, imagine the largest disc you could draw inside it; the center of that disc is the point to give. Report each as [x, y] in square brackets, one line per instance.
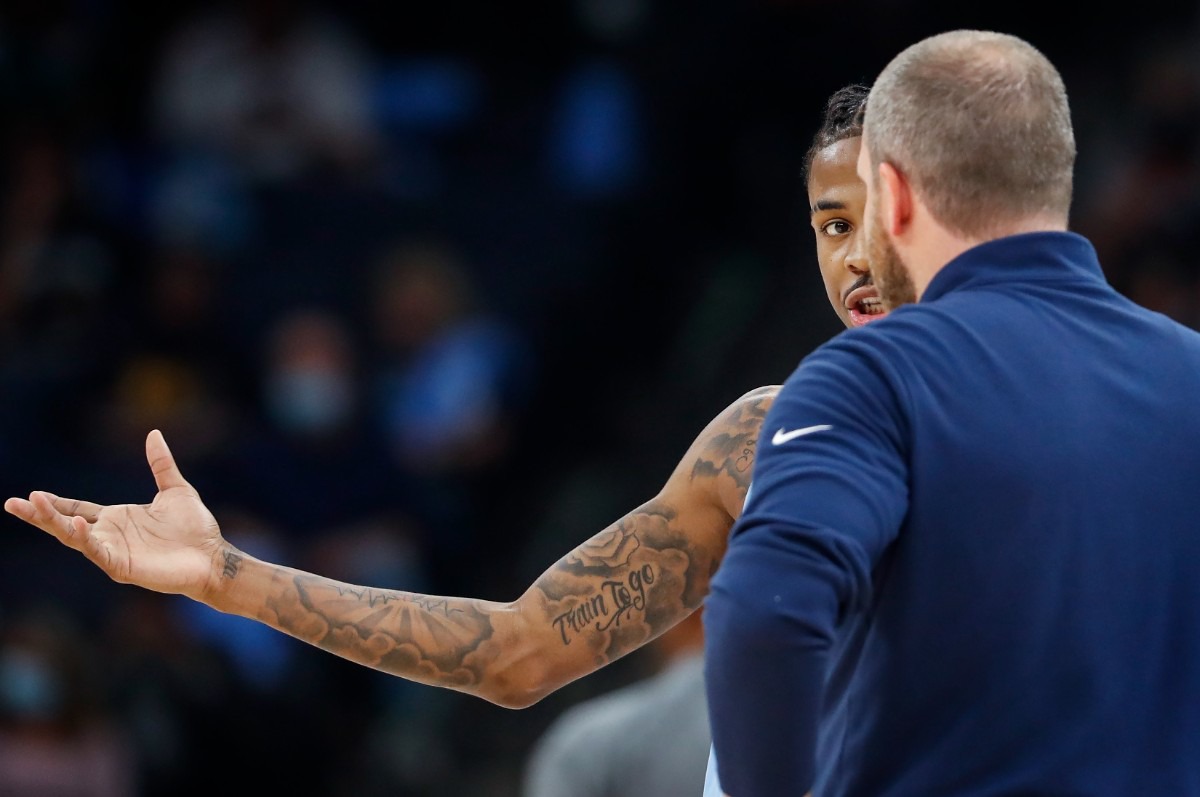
[615, 592]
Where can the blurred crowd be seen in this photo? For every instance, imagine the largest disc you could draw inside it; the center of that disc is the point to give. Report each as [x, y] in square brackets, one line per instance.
[421, 299]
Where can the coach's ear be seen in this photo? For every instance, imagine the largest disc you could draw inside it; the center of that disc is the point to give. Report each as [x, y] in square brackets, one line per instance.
[896, 200]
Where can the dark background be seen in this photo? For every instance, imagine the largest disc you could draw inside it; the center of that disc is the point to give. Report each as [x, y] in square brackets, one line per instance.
[601, 204]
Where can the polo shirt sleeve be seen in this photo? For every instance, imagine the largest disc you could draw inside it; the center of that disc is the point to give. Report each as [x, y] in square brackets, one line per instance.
[830, 494]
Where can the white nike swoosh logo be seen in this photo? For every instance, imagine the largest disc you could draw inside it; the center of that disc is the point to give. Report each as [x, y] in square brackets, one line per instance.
[782, 437]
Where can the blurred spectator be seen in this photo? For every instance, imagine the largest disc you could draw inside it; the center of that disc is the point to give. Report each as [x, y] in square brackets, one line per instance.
[58, 735]
[650, 737]
[147, 391]
[183, 311]
[301, 466]
[422, 105]
[450, 381]
[249, 100]
[310, 385]
[51, 248]
[282, 87]
[186, 707]
[310, 465]
[153, 391]
[596, 146]
[451, 376]
[599, 124]
[58, 285]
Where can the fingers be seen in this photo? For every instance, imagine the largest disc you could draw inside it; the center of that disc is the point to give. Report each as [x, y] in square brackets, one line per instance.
[162, 464]
[39, 510]
[77, 530]
[49, 518]
[19, 508]
[23, 509]
[73, 506]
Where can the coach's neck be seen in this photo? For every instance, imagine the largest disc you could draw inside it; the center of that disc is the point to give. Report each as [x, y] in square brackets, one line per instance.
[924, 244]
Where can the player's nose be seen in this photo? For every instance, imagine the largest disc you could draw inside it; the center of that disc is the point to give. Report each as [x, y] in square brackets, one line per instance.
[856, 257]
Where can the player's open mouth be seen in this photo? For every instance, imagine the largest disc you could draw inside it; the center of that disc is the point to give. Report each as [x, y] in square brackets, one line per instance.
[864, 305]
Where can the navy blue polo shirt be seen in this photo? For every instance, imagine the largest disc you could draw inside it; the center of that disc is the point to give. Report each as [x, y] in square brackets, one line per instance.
[970, 564]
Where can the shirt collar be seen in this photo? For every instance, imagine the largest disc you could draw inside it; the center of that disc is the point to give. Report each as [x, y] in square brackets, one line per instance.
[1026, 257]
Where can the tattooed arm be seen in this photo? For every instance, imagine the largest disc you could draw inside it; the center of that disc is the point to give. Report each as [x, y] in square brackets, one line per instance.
[615, 592]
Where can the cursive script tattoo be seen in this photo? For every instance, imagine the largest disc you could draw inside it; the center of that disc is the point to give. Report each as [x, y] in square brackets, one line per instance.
[628, 595]
[579, 617]
[651, 568]
[619, 599]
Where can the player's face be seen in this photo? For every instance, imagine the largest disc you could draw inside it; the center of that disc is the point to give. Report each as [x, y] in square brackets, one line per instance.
[837, 200]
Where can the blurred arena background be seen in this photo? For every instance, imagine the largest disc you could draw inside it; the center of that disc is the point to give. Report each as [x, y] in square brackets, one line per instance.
[422, 295]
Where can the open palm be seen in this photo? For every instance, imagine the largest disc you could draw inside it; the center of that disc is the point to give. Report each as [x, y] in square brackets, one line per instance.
[169, 545]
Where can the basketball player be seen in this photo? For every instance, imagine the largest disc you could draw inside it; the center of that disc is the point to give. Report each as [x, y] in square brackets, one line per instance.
[612, 594]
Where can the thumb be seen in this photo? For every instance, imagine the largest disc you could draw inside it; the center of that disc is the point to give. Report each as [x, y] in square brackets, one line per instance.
[162, 464]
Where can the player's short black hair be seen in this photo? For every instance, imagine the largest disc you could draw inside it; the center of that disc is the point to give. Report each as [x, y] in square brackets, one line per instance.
[843, 118]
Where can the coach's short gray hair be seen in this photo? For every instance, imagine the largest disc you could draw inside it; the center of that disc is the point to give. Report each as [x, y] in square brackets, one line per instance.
[979, 123]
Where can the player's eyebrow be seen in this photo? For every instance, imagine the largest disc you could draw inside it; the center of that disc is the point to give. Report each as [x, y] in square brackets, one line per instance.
[828, 204]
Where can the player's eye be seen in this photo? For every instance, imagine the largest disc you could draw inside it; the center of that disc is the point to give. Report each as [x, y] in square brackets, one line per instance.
[836, 227]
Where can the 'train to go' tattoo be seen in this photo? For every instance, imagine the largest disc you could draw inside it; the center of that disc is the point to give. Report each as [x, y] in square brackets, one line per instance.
[618, 600]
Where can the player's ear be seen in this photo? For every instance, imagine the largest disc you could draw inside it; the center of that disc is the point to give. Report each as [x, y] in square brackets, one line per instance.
[896, 199]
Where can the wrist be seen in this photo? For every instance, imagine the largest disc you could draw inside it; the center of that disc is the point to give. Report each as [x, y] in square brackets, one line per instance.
[227, 565]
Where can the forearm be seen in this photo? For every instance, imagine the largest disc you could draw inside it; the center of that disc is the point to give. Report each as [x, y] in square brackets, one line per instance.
[469, 645]
[609, 596]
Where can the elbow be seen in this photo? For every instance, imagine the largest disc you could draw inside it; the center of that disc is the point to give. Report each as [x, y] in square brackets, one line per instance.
[526, 668]
[517, 699]
[525, 676]
[514, 694]
[522, 684]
